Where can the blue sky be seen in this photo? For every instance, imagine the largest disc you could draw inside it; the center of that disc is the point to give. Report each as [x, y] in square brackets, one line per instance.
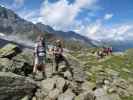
[96, 19]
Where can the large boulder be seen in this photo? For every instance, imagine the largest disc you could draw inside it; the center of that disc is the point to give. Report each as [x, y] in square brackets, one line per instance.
[75, 87]
[5, 64]
[88, 86]
[14, 59]
[9, 50]
[23, 62]
[15, 87]
[101, 94]
[25, 56]
[67, 75]
[17, 67]
[62, 67]
[53, 95]
[40, 94]
[61, 84]
[68, 95]
[85, 96]
[39, 76]
[48, 85]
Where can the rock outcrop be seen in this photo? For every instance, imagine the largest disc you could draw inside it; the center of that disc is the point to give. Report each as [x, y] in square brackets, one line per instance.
[15, 87]
[13, 59]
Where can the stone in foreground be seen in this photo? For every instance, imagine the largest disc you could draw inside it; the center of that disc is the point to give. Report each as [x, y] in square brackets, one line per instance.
[15, 87]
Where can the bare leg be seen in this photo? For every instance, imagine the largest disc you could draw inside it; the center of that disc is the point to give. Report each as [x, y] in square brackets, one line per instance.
[35, 68]
[35, 65]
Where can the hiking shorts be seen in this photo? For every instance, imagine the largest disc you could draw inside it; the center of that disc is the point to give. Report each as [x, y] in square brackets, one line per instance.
[40, 60]
[59, 58]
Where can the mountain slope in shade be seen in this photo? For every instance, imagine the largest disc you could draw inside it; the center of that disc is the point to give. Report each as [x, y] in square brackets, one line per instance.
[11, 23]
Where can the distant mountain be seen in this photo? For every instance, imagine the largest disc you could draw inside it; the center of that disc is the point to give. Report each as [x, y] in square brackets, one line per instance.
[11, 23]
[121, 45]
[118, 45]
[70, 35]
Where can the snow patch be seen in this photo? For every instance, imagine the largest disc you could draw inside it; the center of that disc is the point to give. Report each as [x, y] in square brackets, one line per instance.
[2, 34]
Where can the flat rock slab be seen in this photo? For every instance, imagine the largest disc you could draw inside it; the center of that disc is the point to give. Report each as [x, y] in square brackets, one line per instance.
[9, 50]
[15, 87]
[68, 95]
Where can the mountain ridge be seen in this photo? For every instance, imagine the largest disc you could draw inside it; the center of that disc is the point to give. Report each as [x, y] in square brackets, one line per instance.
[11, 23]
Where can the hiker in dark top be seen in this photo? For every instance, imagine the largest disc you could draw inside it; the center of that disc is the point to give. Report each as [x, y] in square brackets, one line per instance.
[40, 55]
[58, 55]
[110, 50]
[104, 50]
[107, 51]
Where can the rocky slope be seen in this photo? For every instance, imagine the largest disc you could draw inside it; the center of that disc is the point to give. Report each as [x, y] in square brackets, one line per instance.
[87, 78]
[112, 74]
[17, 83]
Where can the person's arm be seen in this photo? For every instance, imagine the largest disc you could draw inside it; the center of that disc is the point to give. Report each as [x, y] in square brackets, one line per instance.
[61, 50]
[35, 50]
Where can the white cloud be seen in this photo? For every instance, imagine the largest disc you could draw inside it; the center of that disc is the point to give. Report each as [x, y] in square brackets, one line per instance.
[2, 34]
[98, 31]
[93, 29]
[108, 16]
[61, 14]
[123, 29]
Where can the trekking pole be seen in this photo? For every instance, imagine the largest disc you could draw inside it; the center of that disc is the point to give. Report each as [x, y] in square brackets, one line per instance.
[33, 61]
[52, 65]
